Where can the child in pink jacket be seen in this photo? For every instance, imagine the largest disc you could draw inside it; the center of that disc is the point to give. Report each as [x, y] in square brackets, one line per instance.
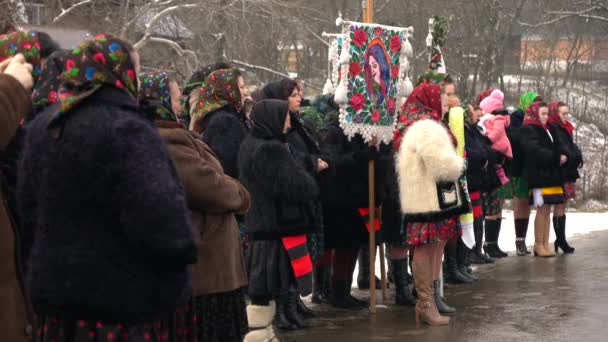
[495, 128]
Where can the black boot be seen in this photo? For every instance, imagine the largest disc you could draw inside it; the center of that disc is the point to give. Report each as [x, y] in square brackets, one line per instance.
[478, 256]
[293, 316]
[363, 276]
[491, 244]
[452, 272]
[341, 298]
[280, 319]
[403, 292]
[520, 245]
[461, 259]
[443, 308]
[559, 225]
[320, 289]
[521, 230]
[390, 279]
[304, 310]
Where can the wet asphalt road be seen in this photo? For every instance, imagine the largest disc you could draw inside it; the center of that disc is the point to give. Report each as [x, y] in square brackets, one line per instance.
[518, 299]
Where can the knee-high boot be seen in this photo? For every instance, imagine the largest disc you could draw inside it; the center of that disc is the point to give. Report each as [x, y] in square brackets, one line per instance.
[364, 271]
[559, 225]
[422, 267]
[479, 256]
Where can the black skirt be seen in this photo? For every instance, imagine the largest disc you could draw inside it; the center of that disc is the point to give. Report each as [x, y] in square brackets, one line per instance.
[268, 267]
[344, 227]
[55, 328]
[218, 317]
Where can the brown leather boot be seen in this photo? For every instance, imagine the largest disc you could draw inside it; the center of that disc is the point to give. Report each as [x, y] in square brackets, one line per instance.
[540, 247]
[426, 310]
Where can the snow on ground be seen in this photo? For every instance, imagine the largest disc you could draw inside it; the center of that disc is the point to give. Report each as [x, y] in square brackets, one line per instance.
[577, 224]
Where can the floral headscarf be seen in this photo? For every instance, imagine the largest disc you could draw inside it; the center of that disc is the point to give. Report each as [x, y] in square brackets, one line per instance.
[26, 43]
[101, 61]
[155, 93]
[554, 116]
[532, 115]
[481, 96]
[423, 103]
[432, 77]
[219, 90]
[526, 100]
[45, 91]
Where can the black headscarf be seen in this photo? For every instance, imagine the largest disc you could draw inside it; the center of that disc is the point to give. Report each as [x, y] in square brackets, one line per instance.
[277, 90]
[268, 118]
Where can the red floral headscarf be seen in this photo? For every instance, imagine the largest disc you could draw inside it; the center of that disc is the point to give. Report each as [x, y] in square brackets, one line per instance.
[554, 116]
[101, 61]
[423, 103]
[532, 115]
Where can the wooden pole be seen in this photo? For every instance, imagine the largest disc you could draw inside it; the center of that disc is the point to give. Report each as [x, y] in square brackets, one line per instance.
[383, 272]
[367, 9]
[372, 237]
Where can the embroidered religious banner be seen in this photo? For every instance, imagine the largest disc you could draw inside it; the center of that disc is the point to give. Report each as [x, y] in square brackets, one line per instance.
[374, 63]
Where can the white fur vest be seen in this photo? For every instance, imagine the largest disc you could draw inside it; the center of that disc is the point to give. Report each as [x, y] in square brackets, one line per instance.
[428, 168]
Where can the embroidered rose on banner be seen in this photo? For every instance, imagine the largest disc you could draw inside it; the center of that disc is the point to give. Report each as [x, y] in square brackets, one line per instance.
[373, 75]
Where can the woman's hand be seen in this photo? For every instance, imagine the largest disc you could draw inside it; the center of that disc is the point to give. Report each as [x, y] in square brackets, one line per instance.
[321, 165]
[563, 159]
[20, 70]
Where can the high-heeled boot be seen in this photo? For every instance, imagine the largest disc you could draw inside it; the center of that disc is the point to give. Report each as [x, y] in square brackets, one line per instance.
[540, 248]
[559, 226]
[426, 310]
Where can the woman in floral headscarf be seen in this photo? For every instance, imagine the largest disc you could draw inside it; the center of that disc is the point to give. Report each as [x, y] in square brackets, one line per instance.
[429, 168]
[217, 307]
[563, 128]
[545, 158]
[110, 262]
[215, 110]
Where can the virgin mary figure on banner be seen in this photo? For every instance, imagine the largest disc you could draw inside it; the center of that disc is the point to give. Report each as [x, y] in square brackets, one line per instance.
[377, 69]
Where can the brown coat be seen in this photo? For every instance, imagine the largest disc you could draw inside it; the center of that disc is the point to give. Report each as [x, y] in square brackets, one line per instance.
[16, 317]
[213, 198]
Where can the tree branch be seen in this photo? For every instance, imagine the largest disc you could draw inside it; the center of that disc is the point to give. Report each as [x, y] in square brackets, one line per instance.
[278, 73]
[65, 12]
[567, 14]
[316, 36]
[156, 18]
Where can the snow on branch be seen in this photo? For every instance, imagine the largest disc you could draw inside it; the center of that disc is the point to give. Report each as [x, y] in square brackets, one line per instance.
[567, 14]
[278, 73]
[180, 51]
[65, 12]
[156, 18]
